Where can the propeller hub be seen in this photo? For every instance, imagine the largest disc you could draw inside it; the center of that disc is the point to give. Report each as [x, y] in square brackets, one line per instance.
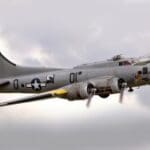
[124, 85]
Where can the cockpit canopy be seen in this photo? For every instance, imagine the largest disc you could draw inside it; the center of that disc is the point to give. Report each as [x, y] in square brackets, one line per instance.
[117, 58]
[121, 60]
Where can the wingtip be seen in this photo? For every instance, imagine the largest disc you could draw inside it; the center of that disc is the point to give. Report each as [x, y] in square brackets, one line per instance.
[3, 104]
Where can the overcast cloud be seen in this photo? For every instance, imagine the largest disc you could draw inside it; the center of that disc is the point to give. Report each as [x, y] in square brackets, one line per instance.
[64, 33]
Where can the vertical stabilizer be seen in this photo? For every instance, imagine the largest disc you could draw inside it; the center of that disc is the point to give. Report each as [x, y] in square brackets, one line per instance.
[6, 67]
[9, 69]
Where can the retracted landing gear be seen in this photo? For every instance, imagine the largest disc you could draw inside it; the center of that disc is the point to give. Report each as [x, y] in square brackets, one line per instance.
[131, 89]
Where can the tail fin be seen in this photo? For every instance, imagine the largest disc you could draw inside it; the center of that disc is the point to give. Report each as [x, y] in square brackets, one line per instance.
[6, 67]
[9, 69]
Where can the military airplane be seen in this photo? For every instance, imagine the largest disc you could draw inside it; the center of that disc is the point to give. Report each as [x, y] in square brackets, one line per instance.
[79, 83]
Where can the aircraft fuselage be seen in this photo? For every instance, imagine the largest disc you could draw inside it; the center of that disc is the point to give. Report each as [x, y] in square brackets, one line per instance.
[46, 81]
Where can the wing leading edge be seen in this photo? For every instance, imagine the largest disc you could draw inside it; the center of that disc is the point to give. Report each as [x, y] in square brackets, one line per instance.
[51, 94]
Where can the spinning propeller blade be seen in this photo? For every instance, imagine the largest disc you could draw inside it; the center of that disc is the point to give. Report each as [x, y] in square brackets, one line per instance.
[92, 93]
[123, 87]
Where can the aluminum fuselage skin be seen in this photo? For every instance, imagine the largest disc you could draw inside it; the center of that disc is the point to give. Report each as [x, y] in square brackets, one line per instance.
[55, 79]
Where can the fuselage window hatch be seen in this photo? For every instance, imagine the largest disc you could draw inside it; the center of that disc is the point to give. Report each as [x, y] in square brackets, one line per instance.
[145, 70]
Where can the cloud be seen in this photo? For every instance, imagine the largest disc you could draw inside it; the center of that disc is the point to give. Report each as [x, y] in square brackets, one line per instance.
[82, 35]
[110, 130]
[64, 34]
[136, 1]
[143, 95]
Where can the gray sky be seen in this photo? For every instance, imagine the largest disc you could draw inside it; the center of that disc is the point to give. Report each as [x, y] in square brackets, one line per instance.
[67, 33]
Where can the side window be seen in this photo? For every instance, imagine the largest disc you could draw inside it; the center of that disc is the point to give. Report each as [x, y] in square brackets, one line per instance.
[120, 63]
[73, 77]
[145, 70]
[124, 63]
[16, 84]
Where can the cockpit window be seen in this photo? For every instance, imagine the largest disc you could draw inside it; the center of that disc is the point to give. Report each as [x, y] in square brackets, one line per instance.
[124, 63]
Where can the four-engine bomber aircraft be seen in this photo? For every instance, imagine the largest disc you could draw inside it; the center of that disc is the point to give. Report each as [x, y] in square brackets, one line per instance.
[78, 83]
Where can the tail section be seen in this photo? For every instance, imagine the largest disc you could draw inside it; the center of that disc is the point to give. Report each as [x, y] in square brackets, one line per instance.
[6, 67]
[9, 69]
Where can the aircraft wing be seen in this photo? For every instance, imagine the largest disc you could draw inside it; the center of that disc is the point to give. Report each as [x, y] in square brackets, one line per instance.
[140, 63]
[4, 83]
[144, 60]
[51, 94]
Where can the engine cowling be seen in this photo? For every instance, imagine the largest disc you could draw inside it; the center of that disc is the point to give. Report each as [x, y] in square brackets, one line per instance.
[107, 86]
[104, 87]
[78, 91]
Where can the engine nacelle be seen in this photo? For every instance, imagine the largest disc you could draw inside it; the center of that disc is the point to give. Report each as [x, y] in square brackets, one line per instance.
[116, 84]
[78, 91]
[102, 87]
[106, 86]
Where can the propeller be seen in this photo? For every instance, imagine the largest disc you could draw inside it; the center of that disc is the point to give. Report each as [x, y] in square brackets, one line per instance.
[123, 87]
[91, 94]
